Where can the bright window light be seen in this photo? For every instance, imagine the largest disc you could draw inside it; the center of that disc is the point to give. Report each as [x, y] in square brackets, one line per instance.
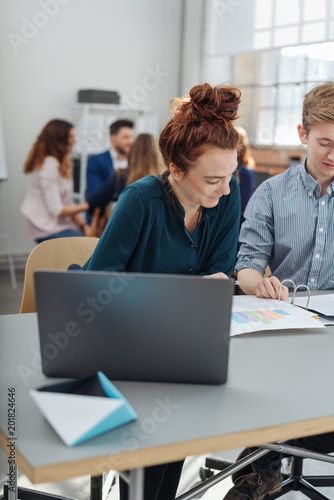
[287, 35]
[287, 12]
[263, 14]
[313, 11]
[321, 51]
[313, 32]
[262, 40]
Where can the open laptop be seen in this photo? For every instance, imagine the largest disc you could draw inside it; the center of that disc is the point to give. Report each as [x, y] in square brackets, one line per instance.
[149, 327]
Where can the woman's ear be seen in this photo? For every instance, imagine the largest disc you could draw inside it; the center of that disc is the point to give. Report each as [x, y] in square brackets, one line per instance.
[176, 172]
[302, 134]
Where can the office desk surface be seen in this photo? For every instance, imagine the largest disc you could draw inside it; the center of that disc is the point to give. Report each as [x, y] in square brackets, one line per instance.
[280, 385]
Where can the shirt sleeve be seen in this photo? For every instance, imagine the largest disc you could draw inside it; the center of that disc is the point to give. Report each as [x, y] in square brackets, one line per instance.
[121, 234]
[49, 180]
[223, 253]
[257, 237]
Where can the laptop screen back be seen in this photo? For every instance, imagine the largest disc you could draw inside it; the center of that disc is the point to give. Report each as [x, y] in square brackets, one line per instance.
[150, 327]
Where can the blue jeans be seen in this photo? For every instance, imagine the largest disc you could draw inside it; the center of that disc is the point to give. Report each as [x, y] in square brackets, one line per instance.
[62, 234]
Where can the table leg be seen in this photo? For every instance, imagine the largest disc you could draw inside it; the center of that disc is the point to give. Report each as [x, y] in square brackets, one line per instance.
[96, 487]
[136, 484]
[12, 488]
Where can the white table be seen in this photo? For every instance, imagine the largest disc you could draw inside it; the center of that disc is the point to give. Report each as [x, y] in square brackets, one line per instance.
[256, 405]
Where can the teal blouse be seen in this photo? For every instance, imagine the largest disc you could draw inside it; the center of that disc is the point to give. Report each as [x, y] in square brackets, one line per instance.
[146, 233]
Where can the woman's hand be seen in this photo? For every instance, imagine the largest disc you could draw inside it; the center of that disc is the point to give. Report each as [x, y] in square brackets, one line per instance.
[219, 276]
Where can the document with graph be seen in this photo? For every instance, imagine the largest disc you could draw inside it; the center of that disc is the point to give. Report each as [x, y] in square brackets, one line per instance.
[251, 314]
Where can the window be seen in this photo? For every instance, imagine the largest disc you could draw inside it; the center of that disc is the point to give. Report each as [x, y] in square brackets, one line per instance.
[307, 21]
[273, 84]
[274, 51]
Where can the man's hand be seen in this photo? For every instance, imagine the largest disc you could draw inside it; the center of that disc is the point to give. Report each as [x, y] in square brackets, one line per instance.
[268, 288]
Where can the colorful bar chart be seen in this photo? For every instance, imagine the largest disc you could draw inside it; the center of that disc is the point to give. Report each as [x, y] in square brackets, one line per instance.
[255, 314]
[264, 317]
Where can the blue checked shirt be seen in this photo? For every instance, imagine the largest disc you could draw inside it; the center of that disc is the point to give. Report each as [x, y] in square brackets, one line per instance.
[290, 227]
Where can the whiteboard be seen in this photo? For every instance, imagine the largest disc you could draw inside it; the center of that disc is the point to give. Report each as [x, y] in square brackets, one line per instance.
[3, 167]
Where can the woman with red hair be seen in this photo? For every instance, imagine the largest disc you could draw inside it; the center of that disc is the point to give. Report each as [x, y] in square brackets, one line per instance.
[185, 221]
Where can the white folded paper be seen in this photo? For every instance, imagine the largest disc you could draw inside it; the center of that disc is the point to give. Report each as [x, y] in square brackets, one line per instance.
[81, 409]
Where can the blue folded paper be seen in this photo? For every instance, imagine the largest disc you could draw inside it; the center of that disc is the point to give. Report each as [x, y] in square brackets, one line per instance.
[83, 408]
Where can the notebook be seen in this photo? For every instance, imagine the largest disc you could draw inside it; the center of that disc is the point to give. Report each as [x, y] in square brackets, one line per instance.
[141, 327]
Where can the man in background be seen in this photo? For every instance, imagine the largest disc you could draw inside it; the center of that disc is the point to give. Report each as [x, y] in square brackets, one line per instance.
[101, 166]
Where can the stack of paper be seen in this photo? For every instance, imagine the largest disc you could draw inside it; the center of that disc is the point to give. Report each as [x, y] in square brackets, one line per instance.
[251, 314]
[322, 304]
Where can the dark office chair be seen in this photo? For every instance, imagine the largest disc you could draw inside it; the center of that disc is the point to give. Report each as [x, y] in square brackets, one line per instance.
[297, 481]
[294, 481]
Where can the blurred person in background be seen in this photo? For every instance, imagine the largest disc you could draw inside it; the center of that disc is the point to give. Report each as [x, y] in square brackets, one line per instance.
[48, 204]
[144, 159]
[245, 170]
[101, 166]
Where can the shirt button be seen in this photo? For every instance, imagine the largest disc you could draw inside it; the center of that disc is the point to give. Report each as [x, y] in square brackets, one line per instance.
[312, 280]
[321, 229]
[323, 203]
[317, 255]
[192, 246]
[310, 194]
[190, 269]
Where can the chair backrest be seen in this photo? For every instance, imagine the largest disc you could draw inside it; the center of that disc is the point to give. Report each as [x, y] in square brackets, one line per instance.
[58, 253]
[100, 219]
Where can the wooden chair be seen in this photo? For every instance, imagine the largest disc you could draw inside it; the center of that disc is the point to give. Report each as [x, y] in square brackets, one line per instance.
[99, 220]
[58, 253]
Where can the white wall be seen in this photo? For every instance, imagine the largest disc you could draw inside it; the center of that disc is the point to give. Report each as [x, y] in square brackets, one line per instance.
[106, 44]
[192, 44]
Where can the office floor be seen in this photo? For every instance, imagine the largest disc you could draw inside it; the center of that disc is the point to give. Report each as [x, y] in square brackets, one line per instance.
[79, 488]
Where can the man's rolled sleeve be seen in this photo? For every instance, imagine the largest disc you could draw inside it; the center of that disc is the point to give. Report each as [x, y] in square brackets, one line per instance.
[257, 235]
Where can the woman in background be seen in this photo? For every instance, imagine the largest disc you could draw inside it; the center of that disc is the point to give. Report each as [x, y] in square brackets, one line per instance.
[245, 170]
[48, 204]
[144, 159]
[185, 221]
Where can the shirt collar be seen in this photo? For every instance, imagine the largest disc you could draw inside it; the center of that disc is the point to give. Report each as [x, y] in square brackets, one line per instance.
[116, 161]
[311, 184]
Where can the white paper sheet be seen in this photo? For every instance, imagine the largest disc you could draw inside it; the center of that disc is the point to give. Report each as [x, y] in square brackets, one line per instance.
[322, 304]
[251, 314]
